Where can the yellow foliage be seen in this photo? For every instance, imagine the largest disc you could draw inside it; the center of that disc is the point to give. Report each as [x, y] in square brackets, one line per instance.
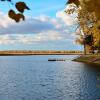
[89, 20]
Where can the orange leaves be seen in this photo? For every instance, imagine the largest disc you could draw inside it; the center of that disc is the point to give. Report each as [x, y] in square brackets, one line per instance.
[92, 6]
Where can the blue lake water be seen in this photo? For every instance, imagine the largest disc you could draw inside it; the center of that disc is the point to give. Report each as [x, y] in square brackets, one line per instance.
[34, 78]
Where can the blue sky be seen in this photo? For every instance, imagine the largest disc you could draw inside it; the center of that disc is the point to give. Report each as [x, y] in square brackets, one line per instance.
[38, 7]
[46, 27]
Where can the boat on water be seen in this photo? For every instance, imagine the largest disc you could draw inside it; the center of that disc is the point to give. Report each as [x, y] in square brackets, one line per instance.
[56, 60]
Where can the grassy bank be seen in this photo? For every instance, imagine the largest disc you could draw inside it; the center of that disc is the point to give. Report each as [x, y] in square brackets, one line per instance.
[95, 59]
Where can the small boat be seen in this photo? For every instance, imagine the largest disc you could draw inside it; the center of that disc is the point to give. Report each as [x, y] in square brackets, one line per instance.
[51, 59]
[56, 60]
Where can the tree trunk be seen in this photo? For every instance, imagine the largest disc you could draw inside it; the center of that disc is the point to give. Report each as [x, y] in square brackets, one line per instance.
[84, 49]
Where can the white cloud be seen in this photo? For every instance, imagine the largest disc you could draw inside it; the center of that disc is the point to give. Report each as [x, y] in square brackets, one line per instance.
[33, 30]
[5, 20]
[36, 25]
[6, 39]
[66, 18]
[49, 36]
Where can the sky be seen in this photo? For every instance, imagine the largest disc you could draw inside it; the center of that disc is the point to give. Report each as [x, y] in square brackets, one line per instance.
[46, 27]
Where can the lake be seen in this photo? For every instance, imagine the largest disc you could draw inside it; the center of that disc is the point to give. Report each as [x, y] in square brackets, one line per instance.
[34, 78]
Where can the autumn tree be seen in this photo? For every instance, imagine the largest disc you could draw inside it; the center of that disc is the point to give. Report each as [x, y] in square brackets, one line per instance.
[89, 22]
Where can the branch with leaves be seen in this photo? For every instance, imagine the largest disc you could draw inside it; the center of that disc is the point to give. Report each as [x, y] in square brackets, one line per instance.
[21, 7]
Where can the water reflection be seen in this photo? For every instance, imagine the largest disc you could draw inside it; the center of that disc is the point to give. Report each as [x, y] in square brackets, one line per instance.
[34, 78]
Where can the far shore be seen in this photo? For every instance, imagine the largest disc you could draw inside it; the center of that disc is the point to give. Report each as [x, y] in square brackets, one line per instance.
[37, 52]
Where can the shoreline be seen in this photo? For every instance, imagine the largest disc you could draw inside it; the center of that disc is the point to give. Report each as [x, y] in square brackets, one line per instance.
[91, 59]
[32, 52]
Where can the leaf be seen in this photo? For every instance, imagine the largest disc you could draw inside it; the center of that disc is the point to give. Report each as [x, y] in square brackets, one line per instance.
[21, 6]
[14, 16]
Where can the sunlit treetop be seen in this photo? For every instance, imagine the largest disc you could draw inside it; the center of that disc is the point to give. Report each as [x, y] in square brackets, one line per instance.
[91, 6]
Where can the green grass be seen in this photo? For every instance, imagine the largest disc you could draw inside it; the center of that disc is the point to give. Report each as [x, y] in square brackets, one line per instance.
[89, 59]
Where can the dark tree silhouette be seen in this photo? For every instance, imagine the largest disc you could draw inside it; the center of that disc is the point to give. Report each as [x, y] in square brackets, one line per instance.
[73, 1]
[20, 6]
